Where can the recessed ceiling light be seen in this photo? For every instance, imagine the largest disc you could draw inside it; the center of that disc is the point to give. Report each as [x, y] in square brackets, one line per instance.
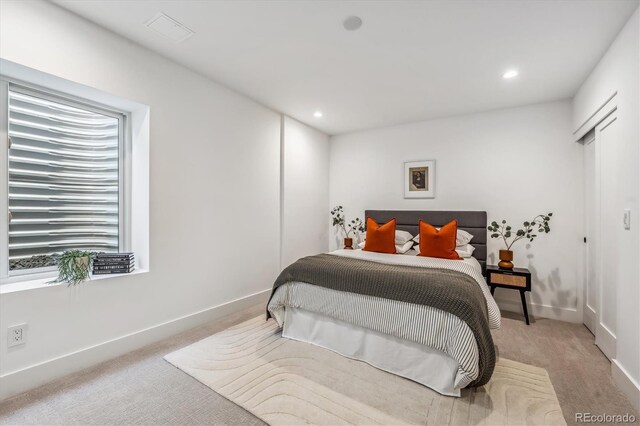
[510, 74]
[317, 114]
[352, 23]
[169, 28]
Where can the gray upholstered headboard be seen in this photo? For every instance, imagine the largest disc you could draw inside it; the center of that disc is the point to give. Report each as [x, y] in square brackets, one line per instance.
[474, 223]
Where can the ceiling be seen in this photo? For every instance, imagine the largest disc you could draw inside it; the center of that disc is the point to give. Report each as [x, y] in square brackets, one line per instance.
[410, 60]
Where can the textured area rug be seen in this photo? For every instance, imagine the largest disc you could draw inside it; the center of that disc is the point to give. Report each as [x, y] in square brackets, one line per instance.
[282, 382]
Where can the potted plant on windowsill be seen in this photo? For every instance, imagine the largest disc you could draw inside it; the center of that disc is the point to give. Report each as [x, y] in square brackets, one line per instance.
[74, 267]
[539, 224]
[354, 227]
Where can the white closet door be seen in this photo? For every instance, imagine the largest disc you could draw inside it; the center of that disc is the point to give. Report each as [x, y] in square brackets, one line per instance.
[591, 208]
[609, 224]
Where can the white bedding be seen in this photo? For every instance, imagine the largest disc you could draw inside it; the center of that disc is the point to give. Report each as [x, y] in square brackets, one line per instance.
[413, 252]
[421, 324]
[420, 363]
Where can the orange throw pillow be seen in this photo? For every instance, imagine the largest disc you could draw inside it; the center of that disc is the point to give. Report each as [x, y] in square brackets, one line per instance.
[381, 238]
[442, 243]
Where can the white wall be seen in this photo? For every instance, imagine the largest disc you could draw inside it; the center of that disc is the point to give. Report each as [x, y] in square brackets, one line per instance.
[215, 169]
[618, 71]
[305, 198]
[513, 163]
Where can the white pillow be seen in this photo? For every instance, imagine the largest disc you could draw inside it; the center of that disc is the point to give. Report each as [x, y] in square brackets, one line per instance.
[402, 237]
[413, 252]
[400, 248]
[462, 238]
[465, 251]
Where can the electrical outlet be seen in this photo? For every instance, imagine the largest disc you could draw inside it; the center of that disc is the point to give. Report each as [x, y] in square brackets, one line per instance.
[16, 335]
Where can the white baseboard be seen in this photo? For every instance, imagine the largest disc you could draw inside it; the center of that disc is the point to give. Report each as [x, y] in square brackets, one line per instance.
[625, 383]
[543, 311]
[33, 376]
[606, 341]
[590, 319]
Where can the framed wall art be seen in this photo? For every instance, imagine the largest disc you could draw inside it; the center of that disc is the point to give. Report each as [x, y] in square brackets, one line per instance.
[419, 179]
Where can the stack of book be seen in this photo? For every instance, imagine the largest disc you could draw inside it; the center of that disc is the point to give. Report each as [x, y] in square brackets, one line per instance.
[113, 263]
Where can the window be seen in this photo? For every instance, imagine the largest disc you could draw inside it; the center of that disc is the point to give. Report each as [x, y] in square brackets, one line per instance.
[64, 178]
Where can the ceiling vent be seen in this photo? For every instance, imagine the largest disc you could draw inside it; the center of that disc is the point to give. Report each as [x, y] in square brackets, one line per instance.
[169, 28]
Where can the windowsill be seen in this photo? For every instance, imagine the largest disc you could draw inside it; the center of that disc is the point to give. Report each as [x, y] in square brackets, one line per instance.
[46, 282]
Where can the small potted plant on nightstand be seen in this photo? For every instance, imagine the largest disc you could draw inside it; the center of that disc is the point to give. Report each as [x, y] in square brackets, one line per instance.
[530, 230]
[354, 227]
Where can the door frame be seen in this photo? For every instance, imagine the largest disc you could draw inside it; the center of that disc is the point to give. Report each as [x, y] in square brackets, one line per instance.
[602, 117]
[605, 338]
[589, 313]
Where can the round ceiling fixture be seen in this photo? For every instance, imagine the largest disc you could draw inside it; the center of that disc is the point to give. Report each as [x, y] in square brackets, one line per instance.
[510, 74]
[352, 23]
[317, 114]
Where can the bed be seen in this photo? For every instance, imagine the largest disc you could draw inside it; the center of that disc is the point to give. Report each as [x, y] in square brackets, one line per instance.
[422, 318]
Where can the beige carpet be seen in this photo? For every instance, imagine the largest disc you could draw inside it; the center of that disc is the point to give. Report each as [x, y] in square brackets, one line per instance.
[287, 382]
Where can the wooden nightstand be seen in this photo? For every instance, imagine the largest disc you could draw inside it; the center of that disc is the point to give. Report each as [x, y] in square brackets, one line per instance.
[516, 279]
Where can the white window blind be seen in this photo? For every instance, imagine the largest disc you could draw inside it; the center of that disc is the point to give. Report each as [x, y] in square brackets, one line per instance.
[64, 180]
